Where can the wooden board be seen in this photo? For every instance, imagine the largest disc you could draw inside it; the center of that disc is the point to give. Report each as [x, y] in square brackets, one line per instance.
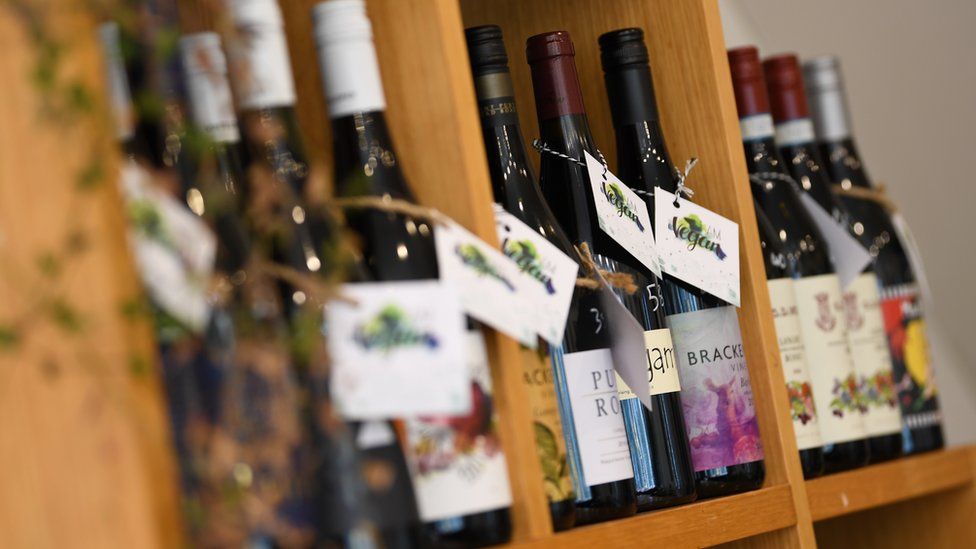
[84, 440]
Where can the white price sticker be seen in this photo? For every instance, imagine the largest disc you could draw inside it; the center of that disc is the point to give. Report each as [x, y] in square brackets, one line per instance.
[548, 274]
[697, 245]
[622, 214]
[398, 350]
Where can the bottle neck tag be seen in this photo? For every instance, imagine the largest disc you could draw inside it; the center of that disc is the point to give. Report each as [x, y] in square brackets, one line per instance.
[697, 245]
[849, 257]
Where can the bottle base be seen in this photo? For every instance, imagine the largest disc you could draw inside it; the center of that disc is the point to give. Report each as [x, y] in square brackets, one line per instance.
[812, 462]
[846, 456]
[649, 502]
[885, 447]
[925, 439]
[563, 515]
[592, 515]
[726, 481]
[474, 530]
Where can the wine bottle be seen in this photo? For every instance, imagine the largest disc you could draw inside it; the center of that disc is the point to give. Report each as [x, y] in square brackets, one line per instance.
[818, 292]
[348, 511]
[257, 420]
[862, 311]
[877, 230]
[460, 505]
[733, 461]
[658, 446]
[515, 188]
[781, 269]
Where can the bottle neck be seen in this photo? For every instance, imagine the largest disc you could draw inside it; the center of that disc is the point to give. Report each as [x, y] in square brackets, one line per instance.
[365, 162]
[844, 163]
[759, 139]
[797, 145]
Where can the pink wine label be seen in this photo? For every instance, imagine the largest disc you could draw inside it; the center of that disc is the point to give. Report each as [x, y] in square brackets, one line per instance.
[715, 390]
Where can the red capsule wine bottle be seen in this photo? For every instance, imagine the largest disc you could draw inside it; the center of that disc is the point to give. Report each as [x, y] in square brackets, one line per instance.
[658, 448]
[515, 188]
[862, 310]
[733, 461]
[460, 506]
[877, 230]
[836, 391]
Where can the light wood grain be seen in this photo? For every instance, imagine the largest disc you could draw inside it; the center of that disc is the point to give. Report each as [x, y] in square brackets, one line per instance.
[84, 440]
[694, 94]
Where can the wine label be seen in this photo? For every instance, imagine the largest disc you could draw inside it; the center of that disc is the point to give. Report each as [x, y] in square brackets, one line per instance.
[871, 356]
[716, 393]
[697, 245]
[458, 466]
[795, 132]
[792, 353]
[759, 126]
[847, 254]
[552, 274]
[379, 336]
[836, 391]
[347, 59]
[662, 370]
[909, 346]
[174, 250]
[549, 440]
[622, 214]
[597, 419]
[262, 69]
[211, 102]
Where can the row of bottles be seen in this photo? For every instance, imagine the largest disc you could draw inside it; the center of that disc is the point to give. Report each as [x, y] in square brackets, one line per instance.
[860, 388]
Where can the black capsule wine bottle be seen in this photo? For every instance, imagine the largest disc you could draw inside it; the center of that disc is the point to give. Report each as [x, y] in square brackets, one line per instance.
[732, 462]
[659, 453]
[460, 506]
[862, 310]
[515, 188]
[877, 230]
[781, 269]
[836, 391]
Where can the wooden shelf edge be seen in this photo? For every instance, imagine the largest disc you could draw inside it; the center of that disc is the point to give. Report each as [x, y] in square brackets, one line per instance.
[886, 483]
[701, 524]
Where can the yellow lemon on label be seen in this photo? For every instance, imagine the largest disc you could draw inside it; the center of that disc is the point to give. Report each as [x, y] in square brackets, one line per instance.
[917, 352]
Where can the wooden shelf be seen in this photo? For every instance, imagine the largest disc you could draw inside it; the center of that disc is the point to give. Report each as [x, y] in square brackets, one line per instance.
[887, 483]
[701, 524]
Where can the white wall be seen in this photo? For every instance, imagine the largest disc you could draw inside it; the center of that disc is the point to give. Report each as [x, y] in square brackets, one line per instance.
[911, 77]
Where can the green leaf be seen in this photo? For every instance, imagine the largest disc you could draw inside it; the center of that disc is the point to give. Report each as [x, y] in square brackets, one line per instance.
[91, 175]
[49, 265]
[10, 338]
[65, 316]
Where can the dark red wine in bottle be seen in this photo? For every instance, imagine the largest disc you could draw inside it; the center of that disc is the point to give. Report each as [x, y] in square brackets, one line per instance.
[460, 505]
[732, 461]
[658, 448]
[836, 390]
[862, 310]
[904, 319]
[515, 188]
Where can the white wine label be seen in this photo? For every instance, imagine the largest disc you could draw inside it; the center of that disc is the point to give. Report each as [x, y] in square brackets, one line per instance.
[836, 392]
[599, 424]
[792, 353]
[795, 132]
[697, 245]
[871, 356]
[262, 70]
[211, 101]
[458, 467]
[846, 253]
[716, 393]
[174, 249]
[397, 350]
[347, 57]
[759, 126]
[492, 287]
[552, 273]
[622, 214]
[661, 367]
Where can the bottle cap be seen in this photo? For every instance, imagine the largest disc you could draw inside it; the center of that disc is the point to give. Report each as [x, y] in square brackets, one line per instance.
[201, 54]
[828, 104]
[747, 81]
[486, 50]
[349, 65]
[555, 81]
[621, 48]
[211, 102]
[262, 68]
[256, 12]
[549, 45]
[341, 21]
[784, 81]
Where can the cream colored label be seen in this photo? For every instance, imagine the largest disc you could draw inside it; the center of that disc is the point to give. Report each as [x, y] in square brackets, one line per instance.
[662, 372]
[871, 356]
[793, 356]
[549, 440]
[836, 392]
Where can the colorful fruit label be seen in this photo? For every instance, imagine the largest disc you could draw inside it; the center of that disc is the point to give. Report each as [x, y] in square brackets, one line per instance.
[909, 347]
[796, 371]
[716, 394]
[457, 462]
[869, 352]
[836, 391]
[549, 441]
